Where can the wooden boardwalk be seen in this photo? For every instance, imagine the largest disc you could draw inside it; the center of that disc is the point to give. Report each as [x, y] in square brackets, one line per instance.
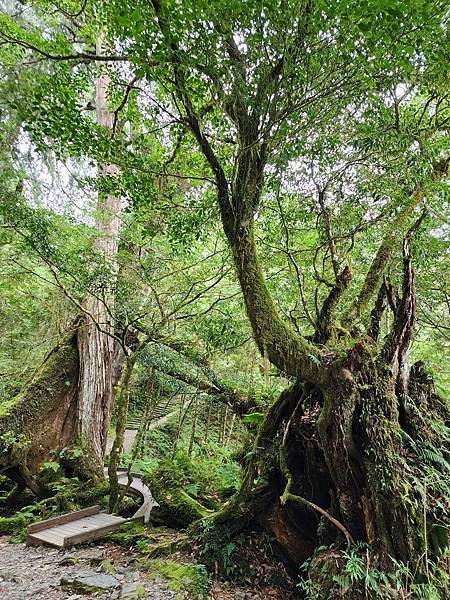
[138, 488]
[74, 528]
[90, 523]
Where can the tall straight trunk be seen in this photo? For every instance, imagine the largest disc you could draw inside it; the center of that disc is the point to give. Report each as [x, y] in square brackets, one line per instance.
[208, 421]
[96, 345]
[193, 427]
[180, 423]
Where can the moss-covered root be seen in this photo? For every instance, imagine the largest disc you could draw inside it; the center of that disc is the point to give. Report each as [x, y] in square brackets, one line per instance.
[187, 580]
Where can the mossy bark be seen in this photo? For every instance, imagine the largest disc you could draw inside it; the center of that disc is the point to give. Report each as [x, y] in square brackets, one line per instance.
[123, 396]
[42, 419]
[343, 467]
[43, 416]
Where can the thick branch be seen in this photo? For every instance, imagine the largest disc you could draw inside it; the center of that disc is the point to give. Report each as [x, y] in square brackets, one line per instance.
[387, 296]
[325, 322]
[291, 353]
[381, 260]
[398, 344]
[205, 380]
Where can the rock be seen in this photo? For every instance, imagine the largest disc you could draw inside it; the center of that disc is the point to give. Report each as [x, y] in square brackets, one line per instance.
[106, 566]
[133, 590]
[90, 582]
[6, 575]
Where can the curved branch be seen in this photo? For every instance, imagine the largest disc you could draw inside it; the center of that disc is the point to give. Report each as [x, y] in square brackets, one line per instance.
[204, 379]
[291, 353]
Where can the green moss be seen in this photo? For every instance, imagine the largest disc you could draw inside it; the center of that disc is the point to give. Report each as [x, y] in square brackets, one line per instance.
[177, 508]
[92, 493]
[6, 406]
[163, 542]
[16, 526]
[129, 534]
[181, 578]
[79, 587]
[107, 566]
[58, 373]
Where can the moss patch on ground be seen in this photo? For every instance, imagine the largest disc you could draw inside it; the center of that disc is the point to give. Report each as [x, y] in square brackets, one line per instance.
[192, 579]
[129, 534]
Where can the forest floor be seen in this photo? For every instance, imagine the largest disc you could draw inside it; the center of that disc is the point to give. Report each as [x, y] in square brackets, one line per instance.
[46, 573]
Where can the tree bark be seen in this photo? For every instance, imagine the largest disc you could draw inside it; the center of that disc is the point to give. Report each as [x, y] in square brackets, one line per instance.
[331, 458]
[97, 346]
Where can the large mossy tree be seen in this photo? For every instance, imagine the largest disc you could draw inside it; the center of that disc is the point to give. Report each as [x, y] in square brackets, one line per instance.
[342, 106]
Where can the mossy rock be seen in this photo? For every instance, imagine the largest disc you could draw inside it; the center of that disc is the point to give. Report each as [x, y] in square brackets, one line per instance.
[129, 534]
[163, 542]
[191, 579]
[164, 547]
[106, 566]
[90, 583]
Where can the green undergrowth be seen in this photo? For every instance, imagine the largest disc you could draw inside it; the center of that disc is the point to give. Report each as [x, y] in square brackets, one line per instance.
[156, 546]
[16, 525]
[65, 494]
[213, 466]
[246, 557]
[151, 542]
[355, 574]
[188, 487]
[129, 534]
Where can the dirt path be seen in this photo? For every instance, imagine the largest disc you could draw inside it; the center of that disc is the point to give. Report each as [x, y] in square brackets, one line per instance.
[128, 441]
[28, 573]
[35, 573]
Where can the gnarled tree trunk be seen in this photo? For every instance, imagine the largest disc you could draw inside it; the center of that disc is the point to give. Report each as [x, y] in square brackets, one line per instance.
[338, 456]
